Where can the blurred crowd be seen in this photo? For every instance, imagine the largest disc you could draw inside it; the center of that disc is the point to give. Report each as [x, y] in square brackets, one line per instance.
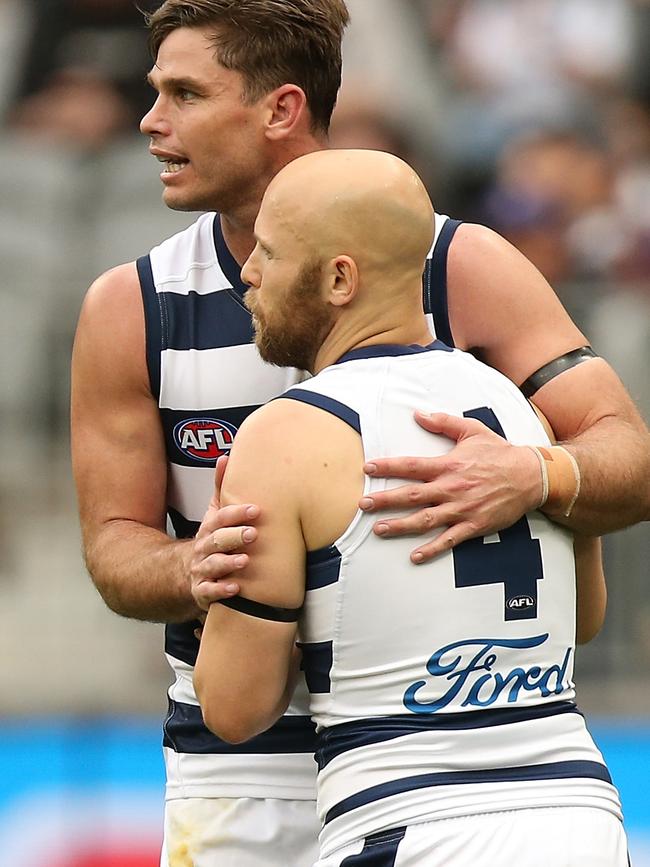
[531, 116]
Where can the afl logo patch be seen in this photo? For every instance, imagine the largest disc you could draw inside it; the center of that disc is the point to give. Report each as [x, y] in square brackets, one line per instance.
[519, 602]
[204, 439]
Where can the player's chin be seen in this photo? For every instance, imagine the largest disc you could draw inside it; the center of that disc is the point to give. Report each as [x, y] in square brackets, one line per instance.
[177, 198]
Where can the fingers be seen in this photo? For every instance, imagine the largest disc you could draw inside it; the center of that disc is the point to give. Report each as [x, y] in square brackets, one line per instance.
[413, 524]
[404, 497]
[219, 473]
[226, 540]
[216, 559]
[228, 516]
[217, 553]
[453, 530]
[199, 631]
[206, 589]
[453, 426]
[425, 469]
[450, 537]
[421, 469]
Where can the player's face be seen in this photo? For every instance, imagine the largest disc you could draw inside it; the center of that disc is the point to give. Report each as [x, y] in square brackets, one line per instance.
[290, 317]
[210, 144]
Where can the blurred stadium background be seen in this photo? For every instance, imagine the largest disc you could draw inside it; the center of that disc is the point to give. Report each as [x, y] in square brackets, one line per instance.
[532, 116]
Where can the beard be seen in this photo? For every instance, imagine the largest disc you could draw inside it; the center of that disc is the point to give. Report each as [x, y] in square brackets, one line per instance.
[292, 336]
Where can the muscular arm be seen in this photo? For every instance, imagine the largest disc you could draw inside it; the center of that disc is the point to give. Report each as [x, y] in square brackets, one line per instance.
[503, 308]
[119, 460]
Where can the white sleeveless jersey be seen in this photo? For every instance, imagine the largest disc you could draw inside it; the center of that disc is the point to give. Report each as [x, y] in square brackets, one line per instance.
[208, 377]
[444, 689]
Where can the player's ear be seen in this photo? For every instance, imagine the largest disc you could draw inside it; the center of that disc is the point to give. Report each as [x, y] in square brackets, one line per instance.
[342, 280]
[285, 107]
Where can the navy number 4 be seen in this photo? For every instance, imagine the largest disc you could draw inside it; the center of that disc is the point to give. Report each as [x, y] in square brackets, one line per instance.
[514, 561]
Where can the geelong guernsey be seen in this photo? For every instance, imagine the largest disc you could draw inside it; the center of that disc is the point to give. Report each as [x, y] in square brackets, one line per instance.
[207, 377]
[444, 690]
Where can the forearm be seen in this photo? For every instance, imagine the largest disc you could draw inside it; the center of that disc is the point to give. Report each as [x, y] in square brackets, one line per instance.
[614, 461]
[240, 657]
[140, 572]
[591, 588]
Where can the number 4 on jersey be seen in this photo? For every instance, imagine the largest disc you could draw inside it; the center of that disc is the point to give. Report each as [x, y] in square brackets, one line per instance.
[514, 561]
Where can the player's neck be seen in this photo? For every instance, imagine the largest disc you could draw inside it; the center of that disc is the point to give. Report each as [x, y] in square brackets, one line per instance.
[239, 238]
[347, 335]
[237, 224]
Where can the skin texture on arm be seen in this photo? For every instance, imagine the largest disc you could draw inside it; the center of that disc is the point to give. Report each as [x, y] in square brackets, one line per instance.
[253, 657]
[502, 309]
[525, 327]
[119, 461]
[591, 588]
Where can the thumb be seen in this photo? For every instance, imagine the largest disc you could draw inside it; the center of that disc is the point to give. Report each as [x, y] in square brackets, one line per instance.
[219, 473]
[452, 426]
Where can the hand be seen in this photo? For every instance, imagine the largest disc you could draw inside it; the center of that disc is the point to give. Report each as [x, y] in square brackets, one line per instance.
[482, 485]
[217, 552]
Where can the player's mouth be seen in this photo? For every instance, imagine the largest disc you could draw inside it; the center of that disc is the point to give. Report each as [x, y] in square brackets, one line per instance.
[172, 166]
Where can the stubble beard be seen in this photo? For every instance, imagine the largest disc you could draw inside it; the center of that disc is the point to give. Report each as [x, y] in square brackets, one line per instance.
[298, 331]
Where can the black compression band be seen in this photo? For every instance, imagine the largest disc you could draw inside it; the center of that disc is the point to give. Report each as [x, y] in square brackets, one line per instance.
[260, 610]
[554, 368]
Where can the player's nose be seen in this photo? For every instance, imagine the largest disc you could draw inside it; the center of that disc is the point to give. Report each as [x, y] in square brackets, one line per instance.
[250, 273]
[153, 122]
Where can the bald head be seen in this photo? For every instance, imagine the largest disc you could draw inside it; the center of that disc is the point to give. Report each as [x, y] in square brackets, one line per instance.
[368, 205]
[342, 238]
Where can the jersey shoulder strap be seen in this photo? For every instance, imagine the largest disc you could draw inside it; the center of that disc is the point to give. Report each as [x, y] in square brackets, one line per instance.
[434, 281]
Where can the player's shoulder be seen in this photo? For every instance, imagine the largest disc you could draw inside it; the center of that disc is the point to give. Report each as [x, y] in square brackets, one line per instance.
[279, 422]
[290, 430]
[116, 290]
[267, 455]
[476, 240]
[478, 252]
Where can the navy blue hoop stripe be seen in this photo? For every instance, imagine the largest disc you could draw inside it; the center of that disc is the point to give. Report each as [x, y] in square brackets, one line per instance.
[334, 741]
[183, 527]
[340, 410]
[154, 331]
[323, 567]
[550, 771]
[199, 321]
[317, 664]
[185, 732]
[379, 850]
[180, 641]
[435, 283]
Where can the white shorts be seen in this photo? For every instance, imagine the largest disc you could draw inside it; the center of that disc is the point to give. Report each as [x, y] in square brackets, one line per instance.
[544, 837]
[239, 832]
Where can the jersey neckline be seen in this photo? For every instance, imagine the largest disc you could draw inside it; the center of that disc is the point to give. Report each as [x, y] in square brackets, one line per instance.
[227, 261]
[380, 350]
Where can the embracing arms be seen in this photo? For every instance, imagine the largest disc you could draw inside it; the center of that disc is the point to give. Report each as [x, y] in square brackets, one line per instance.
[120, 466]
[502, 308]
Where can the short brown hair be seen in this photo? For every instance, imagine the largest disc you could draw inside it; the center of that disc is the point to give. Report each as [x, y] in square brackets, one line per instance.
[269, 42]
